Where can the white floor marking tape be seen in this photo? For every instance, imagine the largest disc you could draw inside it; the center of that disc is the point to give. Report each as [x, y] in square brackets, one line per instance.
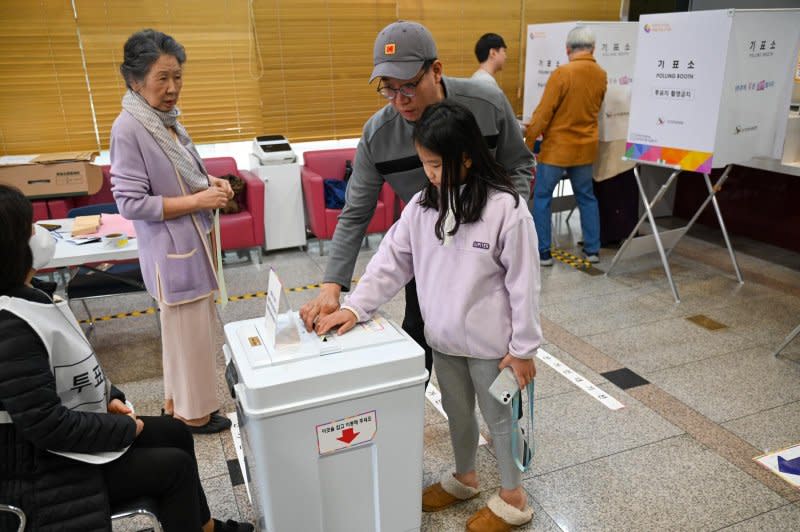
[578, 380]
[237, 444]
[435, 397]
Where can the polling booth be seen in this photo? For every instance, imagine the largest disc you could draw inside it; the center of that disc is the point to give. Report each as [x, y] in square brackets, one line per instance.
[712, 89]
[331, 426]
[615, 49]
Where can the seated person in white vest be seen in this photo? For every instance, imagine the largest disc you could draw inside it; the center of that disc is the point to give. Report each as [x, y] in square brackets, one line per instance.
[71, 446]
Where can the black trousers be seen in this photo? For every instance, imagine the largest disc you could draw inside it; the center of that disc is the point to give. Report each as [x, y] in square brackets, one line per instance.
[415, 327]
[161, 464]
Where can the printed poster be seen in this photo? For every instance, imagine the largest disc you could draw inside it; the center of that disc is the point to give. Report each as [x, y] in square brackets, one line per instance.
[545, 52]
[690, 109]
[615, 44]
[615, 52]
[758, 86]
[679, 74]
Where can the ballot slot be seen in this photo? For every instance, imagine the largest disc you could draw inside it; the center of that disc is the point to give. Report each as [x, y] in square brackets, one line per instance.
[281, 337]
[294, 343]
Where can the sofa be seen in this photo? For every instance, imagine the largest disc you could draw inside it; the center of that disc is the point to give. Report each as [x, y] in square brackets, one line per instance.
[330, 164]
[40, 210]
[244, 230]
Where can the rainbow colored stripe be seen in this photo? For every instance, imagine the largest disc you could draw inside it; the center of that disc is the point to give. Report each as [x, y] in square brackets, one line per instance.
[695, 161]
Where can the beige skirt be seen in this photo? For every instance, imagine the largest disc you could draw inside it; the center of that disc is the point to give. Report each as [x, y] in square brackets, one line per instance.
[189, 358]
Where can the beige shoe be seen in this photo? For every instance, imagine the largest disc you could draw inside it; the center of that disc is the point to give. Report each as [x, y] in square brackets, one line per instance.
[446, 493]
[498, 516]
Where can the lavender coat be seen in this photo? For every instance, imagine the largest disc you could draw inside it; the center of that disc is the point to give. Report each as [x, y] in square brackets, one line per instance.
[174, 254]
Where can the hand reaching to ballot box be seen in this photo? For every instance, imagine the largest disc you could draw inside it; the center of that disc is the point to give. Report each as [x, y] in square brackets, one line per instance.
[343, 318]
[326, 302]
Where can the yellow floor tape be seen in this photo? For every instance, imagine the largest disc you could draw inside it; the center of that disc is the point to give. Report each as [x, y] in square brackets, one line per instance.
[579, 263]
[243, 297]
[560, 255]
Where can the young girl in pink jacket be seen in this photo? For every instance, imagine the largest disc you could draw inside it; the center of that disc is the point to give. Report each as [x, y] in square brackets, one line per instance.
[469, 240]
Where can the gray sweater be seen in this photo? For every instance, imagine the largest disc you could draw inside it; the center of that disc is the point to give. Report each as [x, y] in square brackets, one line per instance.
[386, 153]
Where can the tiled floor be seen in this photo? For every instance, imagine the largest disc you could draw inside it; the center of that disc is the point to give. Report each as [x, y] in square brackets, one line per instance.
[677, 457]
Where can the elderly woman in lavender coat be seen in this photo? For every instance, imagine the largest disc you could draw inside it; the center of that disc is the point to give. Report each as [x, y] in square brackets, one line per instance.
[159, 181]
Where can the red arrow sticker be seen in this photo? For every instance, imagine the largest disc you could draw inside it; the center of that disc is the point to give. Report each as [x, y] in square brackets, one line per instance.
[347, 432]
[348, 435]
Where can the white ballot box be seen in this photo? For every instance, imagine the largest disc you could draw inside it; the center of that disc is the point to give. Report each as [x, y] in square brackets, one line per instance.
[331, 426]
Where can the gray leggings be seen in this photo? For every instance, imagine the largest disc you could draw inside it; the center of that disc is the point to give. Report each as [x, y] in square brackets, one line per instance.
[460, 379]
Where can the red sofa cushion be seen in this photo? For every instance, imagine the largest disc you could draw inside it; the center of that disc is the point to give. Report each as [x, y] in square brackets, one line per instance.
[40, 211]
[329, 163]
[237, 230]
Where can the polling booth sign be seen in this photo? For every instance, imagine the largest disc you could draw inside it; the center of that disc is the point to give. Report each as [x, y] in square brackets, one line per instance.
[615, 44]
[544, 52]
[713, 87]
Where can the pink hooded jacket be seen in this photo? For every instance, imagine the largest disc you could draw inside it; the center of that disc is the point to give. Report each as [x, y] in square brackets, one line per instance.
[479, 293]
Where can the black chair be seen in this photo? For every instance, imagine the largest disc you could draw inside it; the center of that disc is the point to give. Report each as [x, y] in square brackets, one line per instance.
[144, 506]
[16, 511]
[105, 280]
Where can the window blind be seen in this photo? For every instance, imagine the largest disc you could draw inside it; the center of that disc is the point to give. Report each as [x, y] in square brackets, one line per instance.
[294, 67]
[44, 102]
[220, 99]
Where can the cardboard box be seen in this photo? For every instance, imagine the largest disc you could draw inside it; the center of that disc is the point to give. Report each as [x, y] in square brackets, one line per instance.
[52, 175]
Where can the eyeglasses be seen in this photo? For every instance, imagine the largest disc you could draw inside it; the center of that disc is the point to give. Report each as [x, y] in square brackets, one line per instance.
[409, 90]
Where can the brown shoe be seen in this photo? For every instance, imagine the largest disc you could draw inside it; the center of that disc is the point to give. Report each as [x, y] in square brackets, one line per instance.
[498, 516]
[446, 493]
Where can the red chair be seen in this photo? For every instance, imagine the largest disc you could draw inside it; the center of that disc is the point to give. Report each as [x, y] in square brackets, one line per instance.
[244, 229]
[330, 164]
[40, 211]
[238, 231]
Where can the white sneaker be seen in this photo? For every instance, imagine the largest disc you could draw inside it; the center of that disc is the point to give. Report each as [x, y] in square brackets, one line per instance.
[593, 258]
[546, 262]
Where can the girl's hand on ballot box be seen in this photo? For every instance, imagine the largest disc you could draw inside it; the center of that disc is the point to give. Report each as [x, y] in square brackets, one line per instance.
[343, 318]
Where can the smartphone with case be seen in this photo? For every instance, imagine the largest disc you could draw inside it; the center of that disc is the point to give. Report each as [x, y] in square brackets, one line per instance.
[504, 386]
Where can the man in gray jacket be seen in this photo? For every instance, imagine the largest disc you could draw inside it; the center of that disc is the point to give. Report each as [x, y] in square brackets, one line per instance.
[411, 79]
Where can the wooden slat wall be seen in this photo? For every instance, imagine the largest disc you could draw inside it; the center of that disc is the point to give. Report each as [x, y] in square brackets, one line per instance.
[316, 57]
[220, 100]
[44, 102]
[537, 11]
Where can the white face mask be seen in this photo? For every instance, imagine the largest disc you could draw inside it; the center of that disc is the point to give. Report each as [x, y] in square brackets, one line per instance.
[43, 246]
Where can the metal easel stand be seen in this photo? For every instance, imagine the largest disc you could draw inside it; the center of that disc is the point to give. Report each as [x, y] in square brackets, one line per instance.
[792, 335]
[558, 205]
[665, 241]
